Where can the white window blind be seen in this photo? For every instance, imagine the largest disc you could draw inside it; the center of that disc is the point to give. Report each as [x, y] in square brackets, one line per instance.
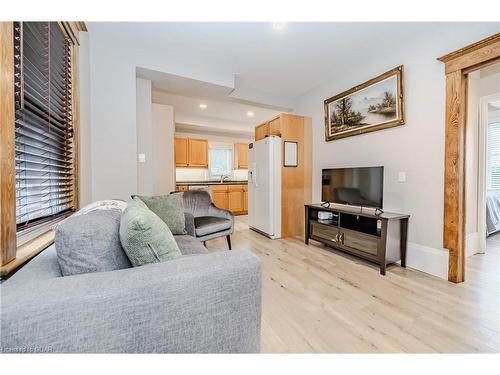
[220, 159]
[43, 123]
[493, 156]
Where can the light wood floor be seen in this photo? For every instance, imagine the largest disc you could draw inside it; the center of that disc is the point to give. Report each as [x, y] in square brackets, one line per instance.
[319, 300]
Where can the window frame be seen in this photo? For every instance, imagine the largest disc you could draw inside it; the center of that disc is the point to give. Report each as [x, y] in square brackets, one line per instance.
[16, 250]
[221, 146]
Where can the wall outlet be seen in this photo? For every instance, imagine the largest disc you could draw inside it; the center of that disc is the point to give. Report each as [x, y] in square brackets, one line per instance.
[142, 158]
[402, 177]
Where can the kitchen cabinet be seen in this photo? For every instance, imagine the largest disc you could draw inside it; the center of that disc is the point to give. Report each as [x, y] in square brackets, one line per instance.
[235, 198]
[220, 199]
[230, 197]
[262, 131]
[241, 155]
[191, 152]
[275, 127]
[245, 198]
[181, 152]
[272, 127]
[198, 152]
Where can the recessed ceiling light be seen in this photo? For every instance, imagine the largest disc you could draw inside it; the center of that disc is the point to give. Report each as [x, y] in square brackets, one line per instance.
[250, 113]
[279, 25]
[203, 106]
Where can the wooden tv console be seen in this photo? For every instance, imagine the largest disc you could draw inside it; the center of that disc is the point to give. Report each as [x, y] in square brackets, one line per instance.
[381, 239]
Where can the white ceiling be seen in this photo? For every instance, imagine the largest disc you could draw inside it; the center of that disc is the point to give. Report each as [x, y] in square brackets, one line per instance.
[281, 63]
[218, 113]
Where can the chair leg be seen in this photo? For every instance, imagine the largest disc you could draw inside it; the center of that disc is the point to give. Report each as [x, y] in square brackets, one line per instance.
[228, 238]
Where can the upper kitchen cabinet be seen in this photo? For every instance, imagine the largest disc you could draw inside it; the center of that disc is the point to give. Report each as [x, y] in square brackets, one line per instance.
[181, 152]
[272, 127]
[241, 155]
[191, 152]
[198, 152]
[262, 131]
[275, 126]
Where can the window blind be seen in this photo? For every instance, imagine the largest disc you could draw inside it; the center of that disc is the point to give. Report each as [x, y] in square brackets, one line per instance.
[43, 123]
[493, 156]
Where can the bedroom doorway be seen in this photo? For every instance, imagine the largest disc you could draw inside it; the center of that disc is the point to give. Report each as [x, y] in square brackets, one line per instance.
[489, 171]
[483, 162]
[458, 65]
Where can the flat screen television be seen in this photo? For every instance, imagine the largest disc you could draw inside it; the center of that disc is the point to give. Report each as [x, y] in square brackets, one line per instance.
[362, 186]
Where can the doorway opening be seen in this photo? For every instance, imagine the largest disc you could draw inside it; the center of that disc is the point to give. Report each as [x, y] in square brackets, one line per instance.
[482, 221]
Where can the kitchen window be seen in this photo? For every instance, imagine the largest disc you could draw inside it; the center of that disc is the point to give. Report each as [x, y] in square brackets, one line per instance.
[220, 160]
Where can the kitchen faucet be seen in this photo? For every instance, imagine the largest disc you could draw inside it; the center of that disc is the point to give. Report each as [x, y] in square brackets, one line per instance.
[224, 177]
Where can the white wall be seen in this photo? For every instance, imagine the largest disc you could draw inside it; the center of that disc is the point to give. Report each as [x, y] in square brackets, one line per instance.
[144, 123]
[163, 128]
[155, 139]
[113, 61]
[416, 148]
[85, 128]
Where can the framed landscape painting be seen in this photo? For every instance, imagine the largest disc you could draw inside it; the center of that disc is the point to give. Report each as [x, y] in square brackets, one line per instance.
[373, 105]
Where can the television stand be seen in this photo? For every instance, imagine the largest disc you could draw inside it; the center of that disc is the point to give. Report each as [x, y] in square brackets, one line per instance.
[379, 238]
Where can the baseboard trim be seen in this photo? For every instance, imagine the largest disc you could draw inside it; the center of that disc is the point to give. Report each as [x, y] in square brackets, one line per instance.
[428, 259]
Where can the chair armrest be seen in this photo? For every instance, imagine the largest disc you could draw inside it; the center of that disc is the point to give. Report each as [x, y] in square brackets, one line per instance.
[203, 303]
[213, 210]
[190, 228]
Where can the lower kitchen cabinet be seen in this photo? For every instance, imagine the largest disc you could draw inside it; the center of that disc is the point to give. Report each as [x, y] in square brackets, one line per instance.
[220, 199]
[235, 201]
[231, 197]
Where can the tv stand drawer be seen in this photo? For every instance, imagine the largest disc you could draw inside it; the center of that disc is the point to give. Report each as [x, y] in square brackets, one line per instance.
[324, 232]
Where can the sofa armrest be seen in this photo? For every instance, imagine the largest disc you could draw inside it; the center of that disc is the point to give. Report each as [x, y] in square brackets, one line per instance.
[204, 303]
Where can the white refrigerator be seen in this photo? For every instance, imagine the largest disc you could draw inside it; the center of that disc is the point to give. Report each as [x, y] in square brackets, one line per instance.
[264, 186]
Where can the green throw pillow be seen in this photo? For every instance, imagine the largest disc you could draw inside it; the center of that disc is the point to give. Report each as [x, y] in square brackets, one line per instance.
[169, 208]
[145, 237]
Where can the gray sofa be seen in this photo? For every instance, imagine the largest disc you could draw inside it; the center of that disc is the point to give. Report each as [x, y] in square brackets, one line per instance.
[199, 303]
[204, 220]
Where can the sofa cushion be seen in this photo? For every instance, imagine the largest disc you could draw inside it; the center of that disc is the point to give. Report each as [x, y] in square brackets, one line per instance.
[145, 237]
[169, 208]
[90, 242]
[210, 224]
[189, 245]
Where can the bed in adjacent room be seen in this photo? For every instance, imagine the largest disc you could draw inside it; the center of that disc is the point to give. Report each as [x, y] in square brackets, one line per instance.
[492, 212]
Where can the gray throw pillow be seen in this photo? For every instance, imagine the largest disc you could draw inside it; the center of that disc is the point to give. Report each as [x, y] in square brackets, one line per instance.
[90, 242]
[145, 237]
[169, 208]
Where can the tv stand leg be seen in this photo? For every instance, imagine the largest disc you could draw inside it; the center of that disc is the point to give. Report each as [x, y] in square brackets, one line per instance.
[306, 226]
[404, 241]
[382, 269]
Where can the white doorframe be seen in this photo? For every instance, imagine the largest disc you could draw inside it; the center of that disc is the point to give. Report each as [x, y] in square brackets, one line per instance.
[481, 193]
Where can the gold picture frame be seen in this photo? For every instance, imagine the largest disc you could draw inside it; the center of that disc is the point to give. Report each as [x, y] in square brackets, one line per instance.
[374, 105]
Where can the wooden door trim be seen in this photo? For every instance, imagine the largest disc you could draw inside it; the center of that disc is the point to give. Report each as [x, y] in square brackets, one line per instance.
[457, 66]
[7, 149]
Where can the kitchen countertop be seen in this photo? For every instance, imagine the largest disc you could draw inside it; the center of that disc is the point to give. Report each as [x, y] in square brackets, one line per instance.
[198, 183]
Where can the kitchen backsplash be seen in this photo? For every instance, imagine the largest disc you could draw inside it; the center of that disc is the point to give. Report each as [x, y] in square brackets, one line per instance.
[194, 174]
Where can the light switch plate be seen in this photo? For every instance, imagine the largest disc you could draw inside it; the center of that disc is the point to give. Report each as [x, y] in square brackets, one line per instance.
[142, 158]
[402, 177]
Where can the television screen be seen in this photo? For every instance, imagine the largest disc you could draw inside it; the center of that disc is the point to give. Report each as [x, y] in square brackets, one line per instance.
[354, 186]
